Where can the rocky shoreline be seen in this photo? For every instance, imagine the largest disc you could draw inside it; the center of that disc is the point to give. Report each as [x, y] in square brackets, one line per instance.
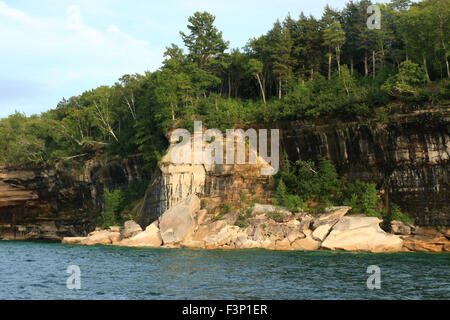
[185, 225]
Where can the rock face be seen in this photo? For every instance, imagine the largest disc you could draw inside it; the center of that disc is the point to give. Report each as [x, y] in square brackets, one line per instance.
[179, 220]
[361, 234]
[411, 151]
[409, 154]
[39, 203]
[428, 240]
[215, 184]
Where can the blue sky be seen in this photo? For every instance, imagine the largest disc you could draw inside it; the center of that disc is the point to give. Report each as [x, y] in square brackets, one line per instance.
[51, 49]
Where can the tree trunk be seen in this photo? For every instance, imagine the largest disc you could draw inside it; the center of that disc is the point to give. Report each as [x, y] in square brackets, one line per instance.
[448, 71]
[312, 74]
[373, 60]
[366, 69]
[279, 89]
[173, 111]
[351, 66]
[261, 87]
[425, 68]
[229, 86]
[446, 59]
[338, 60]
[329, 67]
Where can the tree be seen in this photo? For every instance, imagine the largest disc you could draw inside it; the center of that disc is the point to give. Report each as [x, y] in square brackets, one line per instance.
[334, 38]
[307, 47]
[280, 46]
[102, 110]
[409, 75]
[204, 41]
[127, 86]
[255, 68]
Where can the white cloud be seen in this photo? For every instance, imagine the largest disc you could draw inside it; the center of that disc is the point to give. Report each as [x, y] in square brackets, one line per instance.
[49, 52]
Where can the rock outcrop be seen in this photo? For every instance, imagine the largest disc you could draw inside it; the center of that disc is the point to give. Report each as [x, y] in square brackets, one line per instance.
[408, 155]
[184, 225]
[361, 234]
[42, 203]
[427, 240]
[179, 220]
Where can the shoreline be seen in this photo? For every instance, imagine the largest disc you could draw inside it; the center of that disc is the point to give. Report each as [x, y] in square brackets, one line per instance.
[271, 228]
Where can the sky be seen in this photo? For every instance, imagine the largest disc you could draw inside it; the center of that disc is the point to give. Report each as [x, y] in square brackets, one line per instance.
[55, 49]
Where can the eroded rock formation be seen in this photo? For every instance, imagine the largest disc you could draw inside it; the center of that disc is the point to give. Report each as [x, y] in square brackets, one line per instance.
[37, 203]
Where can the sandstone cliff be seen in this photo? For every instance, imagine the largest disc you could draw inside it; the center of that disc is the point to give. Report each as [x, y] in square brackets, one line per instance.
[37, 203]
[408, 155]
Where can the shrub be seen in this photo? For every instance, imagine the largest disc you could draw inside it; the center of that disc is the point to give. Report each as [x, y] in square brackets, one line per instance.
[242, 221]
[404, 82]
[395, 213]
[363, 198]
[276, 216]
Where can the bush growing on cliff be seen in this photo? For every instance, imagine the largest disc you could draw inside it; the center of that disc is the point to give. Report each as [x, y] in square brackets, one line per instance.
[308, 181]
[395, 213]
[320, 185]
[119, 203]
[362, 197]
[114, 203]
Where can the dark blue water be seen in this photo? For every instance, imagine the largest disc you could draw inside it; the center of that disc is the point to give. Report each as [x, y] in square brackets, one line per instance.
[37, 270]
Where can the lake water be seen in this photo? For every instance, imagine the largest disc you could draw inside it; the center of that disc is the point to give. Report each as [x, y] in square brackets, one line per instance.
[37, 270]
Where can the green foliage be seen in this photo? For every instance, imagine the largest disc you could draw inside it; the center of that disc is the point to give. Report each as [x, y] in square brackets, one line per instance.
[362, 197]
[223, 211]
[281, 193]
[114, 203]
[304, 68]
[320, 186]
[395, 213]
[119, 203]
[405, 81]
[309, 181]
[276, 216]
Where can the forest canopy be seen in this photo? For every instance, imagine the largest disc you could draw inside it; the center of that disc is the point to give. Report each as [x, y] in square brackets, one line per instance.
[302, 68]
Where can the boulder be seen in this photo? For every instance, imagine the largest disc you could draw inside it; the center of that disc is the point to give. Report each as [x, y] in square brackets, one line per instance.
[99, 237]
[331, 217]
[268, 208]
[249, 244]
[179, 220]
[130, 229]
[222, 238]
[115, 229]
[115, 236]
[151, 237]
[321, 232]
[294, 235]
[283, 244]
[398, 227]
[202, 216]
[73, 240]
[306, 244]
[361, 234]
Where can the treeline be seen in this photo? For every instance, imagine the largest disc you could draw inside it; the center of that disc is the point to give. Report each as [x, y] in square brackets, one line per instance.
[302, 68]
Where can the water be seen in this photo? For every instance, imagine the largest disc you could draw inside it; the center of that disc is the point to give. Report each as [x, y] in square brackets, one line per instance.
[37, 270]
